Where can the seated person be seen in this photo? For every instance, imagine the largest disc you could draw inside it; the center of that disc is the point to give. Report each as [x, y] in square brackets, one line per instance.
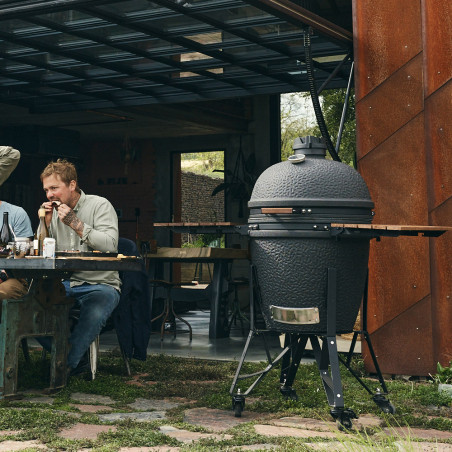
[12, 288]
[82, 222]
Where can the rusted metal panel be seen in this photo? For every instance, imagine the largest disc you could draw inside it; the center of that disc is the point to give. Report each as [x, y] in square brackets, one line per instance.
[387, 34]
[438, 113]
[404, 346]
[399, 267]
[442, 285]
[395, 175]
[437, 36]
[386, 109]
[399, 276]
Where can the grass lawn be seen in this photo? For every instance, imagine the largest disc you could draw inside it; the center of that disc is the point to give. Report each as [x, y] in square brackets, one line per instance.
[204, 383]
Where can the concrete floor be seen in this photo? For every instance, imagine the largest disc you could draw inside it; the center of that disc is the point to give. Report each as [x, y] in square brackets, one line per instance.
[228, 349]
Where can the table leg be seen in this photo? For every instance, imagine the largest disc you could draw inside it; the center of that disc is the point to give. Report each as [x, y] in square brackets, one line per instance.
[27, 317]
[218, 326]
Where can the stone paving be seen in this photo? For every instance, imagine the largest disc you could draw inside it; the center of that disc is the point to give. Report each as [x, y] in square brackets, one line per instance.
[218, 425]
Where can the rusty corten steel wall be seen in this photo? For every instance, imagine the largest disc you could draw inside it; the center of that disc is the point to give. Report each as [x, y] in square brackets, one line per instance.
[403, 82]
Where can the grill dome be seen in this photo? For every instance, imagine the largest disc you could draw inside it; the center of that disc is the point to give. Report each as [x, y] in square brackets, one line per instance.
[291, 210]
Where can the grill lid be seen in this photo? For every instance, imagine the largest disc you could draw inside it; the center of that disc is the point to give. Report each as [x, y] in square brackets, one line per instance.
[312, 181]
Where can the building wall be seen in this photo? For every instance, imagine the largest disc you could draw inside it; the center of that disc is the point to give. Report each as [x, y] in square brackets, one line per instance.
[403, 84]
[126, 181]
[197, 202]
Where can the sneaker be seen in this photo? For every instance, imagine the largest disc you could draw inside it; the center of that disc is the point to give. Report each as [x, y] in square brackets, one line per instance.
[83, 367]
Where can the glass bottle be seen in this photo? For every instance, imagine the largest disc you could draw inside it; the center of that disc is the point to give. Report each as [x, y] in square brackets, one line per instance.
[41, 233]
[6, 234]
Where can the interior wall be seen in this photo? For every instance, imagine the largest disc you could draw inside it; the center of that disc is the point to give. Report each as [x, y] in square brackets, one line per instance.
[403, 85]
[126, 179]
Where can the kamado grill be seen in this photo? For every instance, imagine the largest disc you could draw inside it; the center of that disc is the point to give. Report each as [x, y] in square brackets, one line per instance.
[310, 228]
[291, 210]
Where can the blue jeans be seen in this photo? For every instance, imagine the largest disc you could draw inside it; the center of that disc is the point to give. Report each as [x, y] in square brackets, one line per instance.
[96, 303]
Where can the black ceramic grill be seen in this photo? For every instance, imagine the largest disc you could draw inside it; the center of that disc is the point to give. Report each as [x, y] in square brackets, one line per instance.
[291, 210]
[309, 278]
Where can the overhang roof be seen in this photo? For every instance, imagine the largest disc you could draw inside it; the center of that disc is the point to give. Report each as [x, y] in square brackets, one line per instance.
[72, 55]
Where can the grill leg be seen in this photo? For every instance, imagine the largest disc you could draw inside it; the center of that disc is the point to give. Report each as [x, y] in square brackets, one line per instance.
[289, 368]
[379, 397]
[238, 397]
[327, 356]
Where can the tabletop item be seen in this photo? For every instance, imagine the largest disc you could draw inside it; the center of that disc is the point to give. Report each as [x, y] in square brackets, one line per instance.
[48, 247]
[77, 253]
[41, 233]
[21, 247]
[6, 235]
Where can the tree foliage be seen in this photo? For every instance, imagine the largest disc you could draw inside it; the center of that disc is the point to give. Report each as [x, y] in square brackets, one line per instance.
[332, 104]
[295, 121]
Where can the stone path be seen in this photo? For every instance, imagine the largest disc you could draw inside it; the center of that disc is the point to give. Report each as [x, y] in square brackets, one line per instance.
[218, 425]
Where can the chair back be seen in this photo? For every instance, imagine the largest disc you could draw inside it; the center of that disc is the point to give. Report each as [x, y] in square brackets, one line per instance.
[132, 316]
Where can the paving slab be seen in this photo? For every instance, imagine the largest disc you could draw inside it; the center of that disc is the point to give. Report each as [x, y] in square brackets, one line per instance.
[188, 437]
[305, 423]
[365, 420]
[150, 449]
[91, 398]
[142, 416]
[337, 446]
[11, 446]
[218, 420]
[410, 446]
[85, 431]
[258, 447]
[273, 430]
[405, 432]
[40, 399]
[9, 432]
[91, 408]
[153, 404]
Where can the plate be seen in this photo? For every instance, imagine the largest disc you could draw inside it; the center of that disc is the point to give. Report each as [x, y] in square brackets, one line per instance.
[84, 254]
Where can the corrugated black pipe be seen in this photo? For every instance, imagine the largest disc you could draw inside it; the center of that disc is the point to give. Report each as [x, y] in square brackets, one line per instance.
[315, 99]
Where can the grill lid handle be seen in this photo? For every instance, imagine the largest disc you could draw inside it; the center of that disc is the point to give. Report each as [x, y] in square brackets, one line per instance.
[295, 316]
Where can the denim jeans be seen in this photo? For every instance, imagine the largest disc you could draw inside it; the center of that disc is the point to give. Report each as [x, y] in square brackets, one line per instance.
[96, 303]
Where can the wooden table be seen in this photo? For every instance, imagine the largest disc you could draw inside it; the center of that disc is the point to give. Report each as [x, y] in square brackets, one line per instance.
[44, 310]
[220, 257]
[201, 227]
[388, 230]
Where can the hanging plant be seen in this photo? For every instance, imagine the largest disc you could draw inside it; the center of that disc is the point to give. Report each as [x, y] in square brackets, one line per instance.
[239, 183]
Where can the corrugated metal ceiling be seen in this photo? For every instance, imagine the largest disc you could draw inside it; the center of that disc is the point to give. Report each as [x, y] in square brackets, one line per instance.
[69, 55]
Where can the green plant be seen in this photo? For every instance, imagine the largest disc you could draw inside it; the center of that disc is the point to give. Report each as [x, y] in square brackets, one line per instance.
[203, 240]
[443, 374]
[239, 183]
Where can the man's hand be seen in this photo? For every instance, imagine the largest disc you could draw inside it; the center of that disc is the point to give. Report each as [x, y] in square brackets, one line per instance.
[68, 217]
[48, 206]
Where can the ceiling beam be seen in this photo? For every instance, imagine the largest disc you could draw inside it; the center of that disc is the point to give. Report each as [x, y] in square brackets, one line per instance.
[296, 15]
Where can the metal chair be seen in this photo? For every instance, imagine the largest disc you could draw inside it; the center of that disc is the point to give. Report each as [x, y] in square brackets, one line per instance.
[132, 329]
[168, 314]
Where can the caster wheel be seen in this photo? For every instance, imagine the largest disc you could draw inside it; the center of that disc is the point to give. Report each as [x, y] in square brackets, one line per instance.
[389, 408]
[289, 393]
[344, 424]
[384, 404]
[343, 418]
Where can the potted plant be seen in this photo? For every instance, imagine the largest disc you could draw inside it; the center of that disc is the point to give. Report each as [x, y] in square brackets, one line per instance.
[443, 378]
[240, 182]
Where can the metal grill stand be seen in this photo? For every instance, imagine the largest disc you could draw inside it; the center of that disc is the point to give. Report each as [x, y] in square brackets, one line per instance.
[326, 356]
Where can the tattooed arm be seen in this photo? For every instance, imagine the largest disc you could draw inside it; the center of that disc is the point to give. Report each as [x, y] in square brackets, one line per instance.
[70, 219]
[96, 223]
